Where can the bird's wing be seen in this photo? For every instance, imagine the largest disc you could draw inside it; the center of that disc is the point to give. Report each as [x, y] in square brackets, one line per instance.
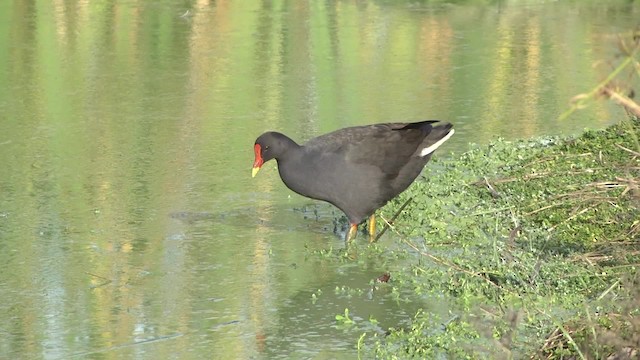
[385, 146]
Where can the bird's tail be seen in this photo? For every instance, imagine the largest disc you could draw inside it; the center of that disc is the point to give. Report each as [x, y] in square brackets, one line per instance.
[437, 135]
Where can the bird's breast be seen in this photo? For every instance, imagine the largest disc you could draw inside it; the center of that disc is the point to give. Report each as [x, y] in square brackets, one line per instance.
[307, 178]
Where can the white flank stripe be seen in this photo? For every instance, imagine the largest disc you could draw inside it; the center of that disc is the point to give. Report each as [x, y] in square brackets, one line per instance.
[428, 150]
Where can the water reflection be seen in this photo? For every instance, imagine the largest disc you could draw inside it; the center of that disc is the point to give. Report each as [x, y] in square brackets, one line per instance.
[129, 224]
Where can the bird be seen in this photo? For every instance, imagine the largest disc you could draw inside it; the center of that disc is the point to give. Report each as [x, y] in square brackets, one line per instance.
[357, 169]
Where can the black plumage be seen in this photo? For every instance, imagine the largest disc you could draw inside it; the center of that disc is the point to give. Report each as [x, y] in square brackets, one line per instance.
[357, 169]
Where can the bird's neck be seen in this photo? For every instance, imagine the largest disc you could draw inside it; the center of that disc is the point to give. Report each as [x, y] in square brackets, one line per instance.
[293, 166]
[290, 150]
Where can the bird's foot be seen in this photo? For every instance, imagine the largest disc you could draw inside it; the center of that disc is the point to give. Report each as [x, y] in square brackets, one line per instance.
[351, 234]
[372, 228]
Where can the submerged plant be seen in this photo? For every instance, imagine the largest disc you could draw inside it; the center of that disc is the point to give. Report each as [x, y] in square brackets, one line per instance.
[344, 319]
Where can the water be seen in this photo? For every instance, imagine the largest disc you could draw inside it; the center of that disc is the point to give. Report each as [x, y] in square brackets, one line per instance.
[129, 224]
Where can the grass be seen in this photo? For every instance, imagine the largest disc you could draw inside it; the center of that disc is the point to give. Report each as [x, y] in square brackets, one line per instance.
[536, 243]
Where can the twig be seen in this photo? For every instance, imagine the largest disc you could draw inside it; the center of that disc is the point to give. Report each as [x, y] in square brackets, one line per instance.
[105, 282]
[493, 211]
[556, 336]
[554, 157]
[537, 175]
[451, 265]
[571, 341]
[541, 209]
[604, 293]
[506, 180]
[628, 150]
[493, 191]
[622, 100]
[627, 180]
[598, 89]
[572, 217]
[388, 223]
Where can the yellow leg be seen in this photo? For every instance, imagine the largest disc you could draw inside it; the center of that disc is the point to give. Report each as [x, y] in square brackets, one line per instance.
[372, 227]
[353, 231]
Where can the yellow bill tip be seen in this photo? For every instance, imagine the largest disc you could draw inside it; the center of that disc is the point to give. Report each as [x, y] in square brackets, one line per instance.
[254, 171]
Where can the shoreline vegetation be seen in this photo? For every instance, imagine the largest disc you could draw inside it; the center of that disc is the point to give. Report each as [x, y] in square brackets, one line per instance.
[534, 245]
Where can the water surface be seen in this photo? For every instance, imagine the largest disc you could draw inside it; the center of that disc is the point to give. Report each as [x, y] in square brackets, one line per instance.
[129, 224]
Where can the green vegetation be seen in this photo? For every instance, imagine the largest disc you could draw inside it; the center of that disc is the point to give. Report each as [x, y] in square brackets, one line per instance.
[344, 320]
[535, 243]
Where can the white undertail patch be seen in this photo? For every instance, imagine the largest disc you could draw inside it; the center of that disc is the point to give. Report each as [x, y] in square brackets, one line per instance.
[428, 150]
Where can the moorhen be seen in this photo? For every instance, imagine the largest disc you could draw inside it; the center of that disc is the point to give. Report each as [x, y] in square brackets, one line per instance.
[357, 169]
